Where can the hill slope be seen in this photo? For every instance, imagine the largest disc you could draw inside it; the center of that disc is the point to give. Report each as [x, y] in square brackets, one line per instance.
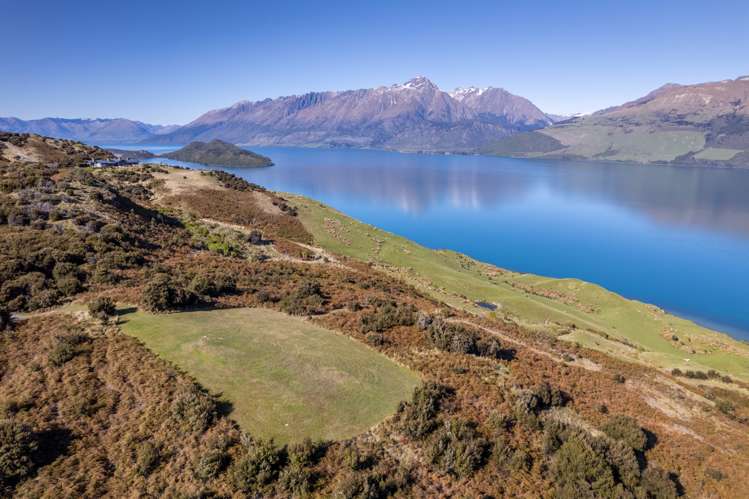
[218, 152]
[506, 408]
[706, 124]
[412, 116]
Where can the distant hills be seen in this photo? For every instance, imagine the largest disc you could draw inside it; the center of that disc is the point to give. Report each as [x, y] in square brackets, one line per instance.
[218, 152]
[706, 123]
[97, 131]
[687, 124]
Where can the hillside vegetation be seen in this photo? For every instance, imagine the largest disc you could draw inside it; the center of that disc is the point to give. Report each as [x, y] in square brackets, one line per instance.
[218, 152]
[95, 260]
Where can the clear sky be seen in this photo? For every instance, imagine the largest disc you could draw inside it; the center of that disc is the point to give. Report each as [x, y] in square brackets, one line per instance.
[169, 61]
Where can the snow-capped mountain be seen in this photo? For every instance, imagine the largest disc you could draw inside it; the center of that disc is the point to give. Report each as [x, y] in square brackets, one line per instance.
[412, 116]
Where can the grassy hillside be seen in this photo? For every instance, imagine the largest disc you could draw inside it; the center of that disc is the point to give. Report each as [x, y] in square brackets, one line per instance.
[286, 378]
[574, 310]
[269, 306]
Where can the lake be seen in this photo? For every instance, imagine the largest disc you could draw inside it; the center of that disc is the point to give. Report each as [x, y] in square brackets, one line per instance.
[675, 237]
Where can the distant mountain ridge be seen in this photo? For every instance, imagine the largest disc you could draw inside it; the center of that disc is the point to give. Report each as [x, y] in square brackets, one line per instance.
[97, 131]
[706, 123]
[412, 116]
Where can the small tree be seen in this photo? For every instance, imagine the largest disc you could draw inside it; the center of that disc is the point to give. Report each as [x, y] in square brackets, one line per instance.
[102, 308]
[164, 293]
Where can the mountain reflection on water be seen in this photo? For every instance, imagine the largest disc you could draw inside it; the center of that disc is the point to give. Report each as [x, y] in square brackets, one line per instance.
[676, 237]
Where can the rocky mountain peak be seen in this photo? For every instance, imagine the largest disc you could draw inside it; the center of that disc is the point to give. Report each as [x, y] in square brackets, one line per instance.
[419, 83]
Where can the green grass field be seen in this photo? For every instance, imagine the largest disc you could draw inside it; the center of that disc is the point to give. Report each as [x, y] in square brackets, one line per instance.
[636, 331]
[285, 377]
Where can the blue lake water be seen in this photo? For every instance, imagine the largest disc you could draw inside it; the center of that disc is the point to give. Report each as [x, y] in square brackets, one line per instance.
[674, 237]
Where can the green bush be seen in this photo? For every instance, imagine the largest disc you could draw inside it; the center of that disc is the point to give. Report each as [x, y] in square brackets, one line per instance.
[196, 408]
[17, 446]
[386, 315]
[163, 292]
[458, 449]
[306, 299]
[579, 471]
[627, 430]
[457, 338]
[102, 308]
[529, 403]
[418, 417]
[726, 407]
[258, 467]
[297, 481]
[213, 284]
[304, 453]
[211, 464]
[65, 348]
[657, 484]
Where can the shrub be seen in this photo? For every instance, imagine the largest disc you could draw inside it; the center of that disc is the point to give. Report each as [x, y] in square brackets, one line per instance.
[297, 480]
[375, 339]
[657, 483]
[304, 453]
[65, 348]
[146, 458]
[354, 459]
[372, 485]
[256, 237]
[17, 445]
[164, 293]
[306, 299]
[725, 407]
[530, 402]
[211, 464]
[213, 284]
[619, 378]
[621, 457]
[417, 418]
[579, 471]
[387, 315]
[458, 449]
[627, 430]
[102, 308]
[195, 408]
[6, 319]
[457, 338]
[259, 466]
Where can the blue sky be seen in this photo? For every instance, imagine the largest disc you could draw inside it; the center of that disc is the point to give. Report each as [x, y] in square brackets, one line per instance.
[169, 61]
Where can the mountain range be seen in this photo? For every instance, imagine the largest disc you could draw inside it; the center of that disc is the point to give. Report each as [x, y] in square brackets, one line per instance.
[412, 116]
[705, 123]
[96, 131]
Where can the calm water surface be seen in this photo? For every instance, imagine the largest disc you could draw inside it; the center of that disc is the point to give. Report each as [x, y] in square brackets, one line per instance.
[675, 237]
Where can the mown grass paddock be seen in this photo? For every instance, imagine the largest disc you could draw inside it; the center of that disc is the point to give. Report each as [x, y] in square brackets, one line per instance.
[284, 377]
